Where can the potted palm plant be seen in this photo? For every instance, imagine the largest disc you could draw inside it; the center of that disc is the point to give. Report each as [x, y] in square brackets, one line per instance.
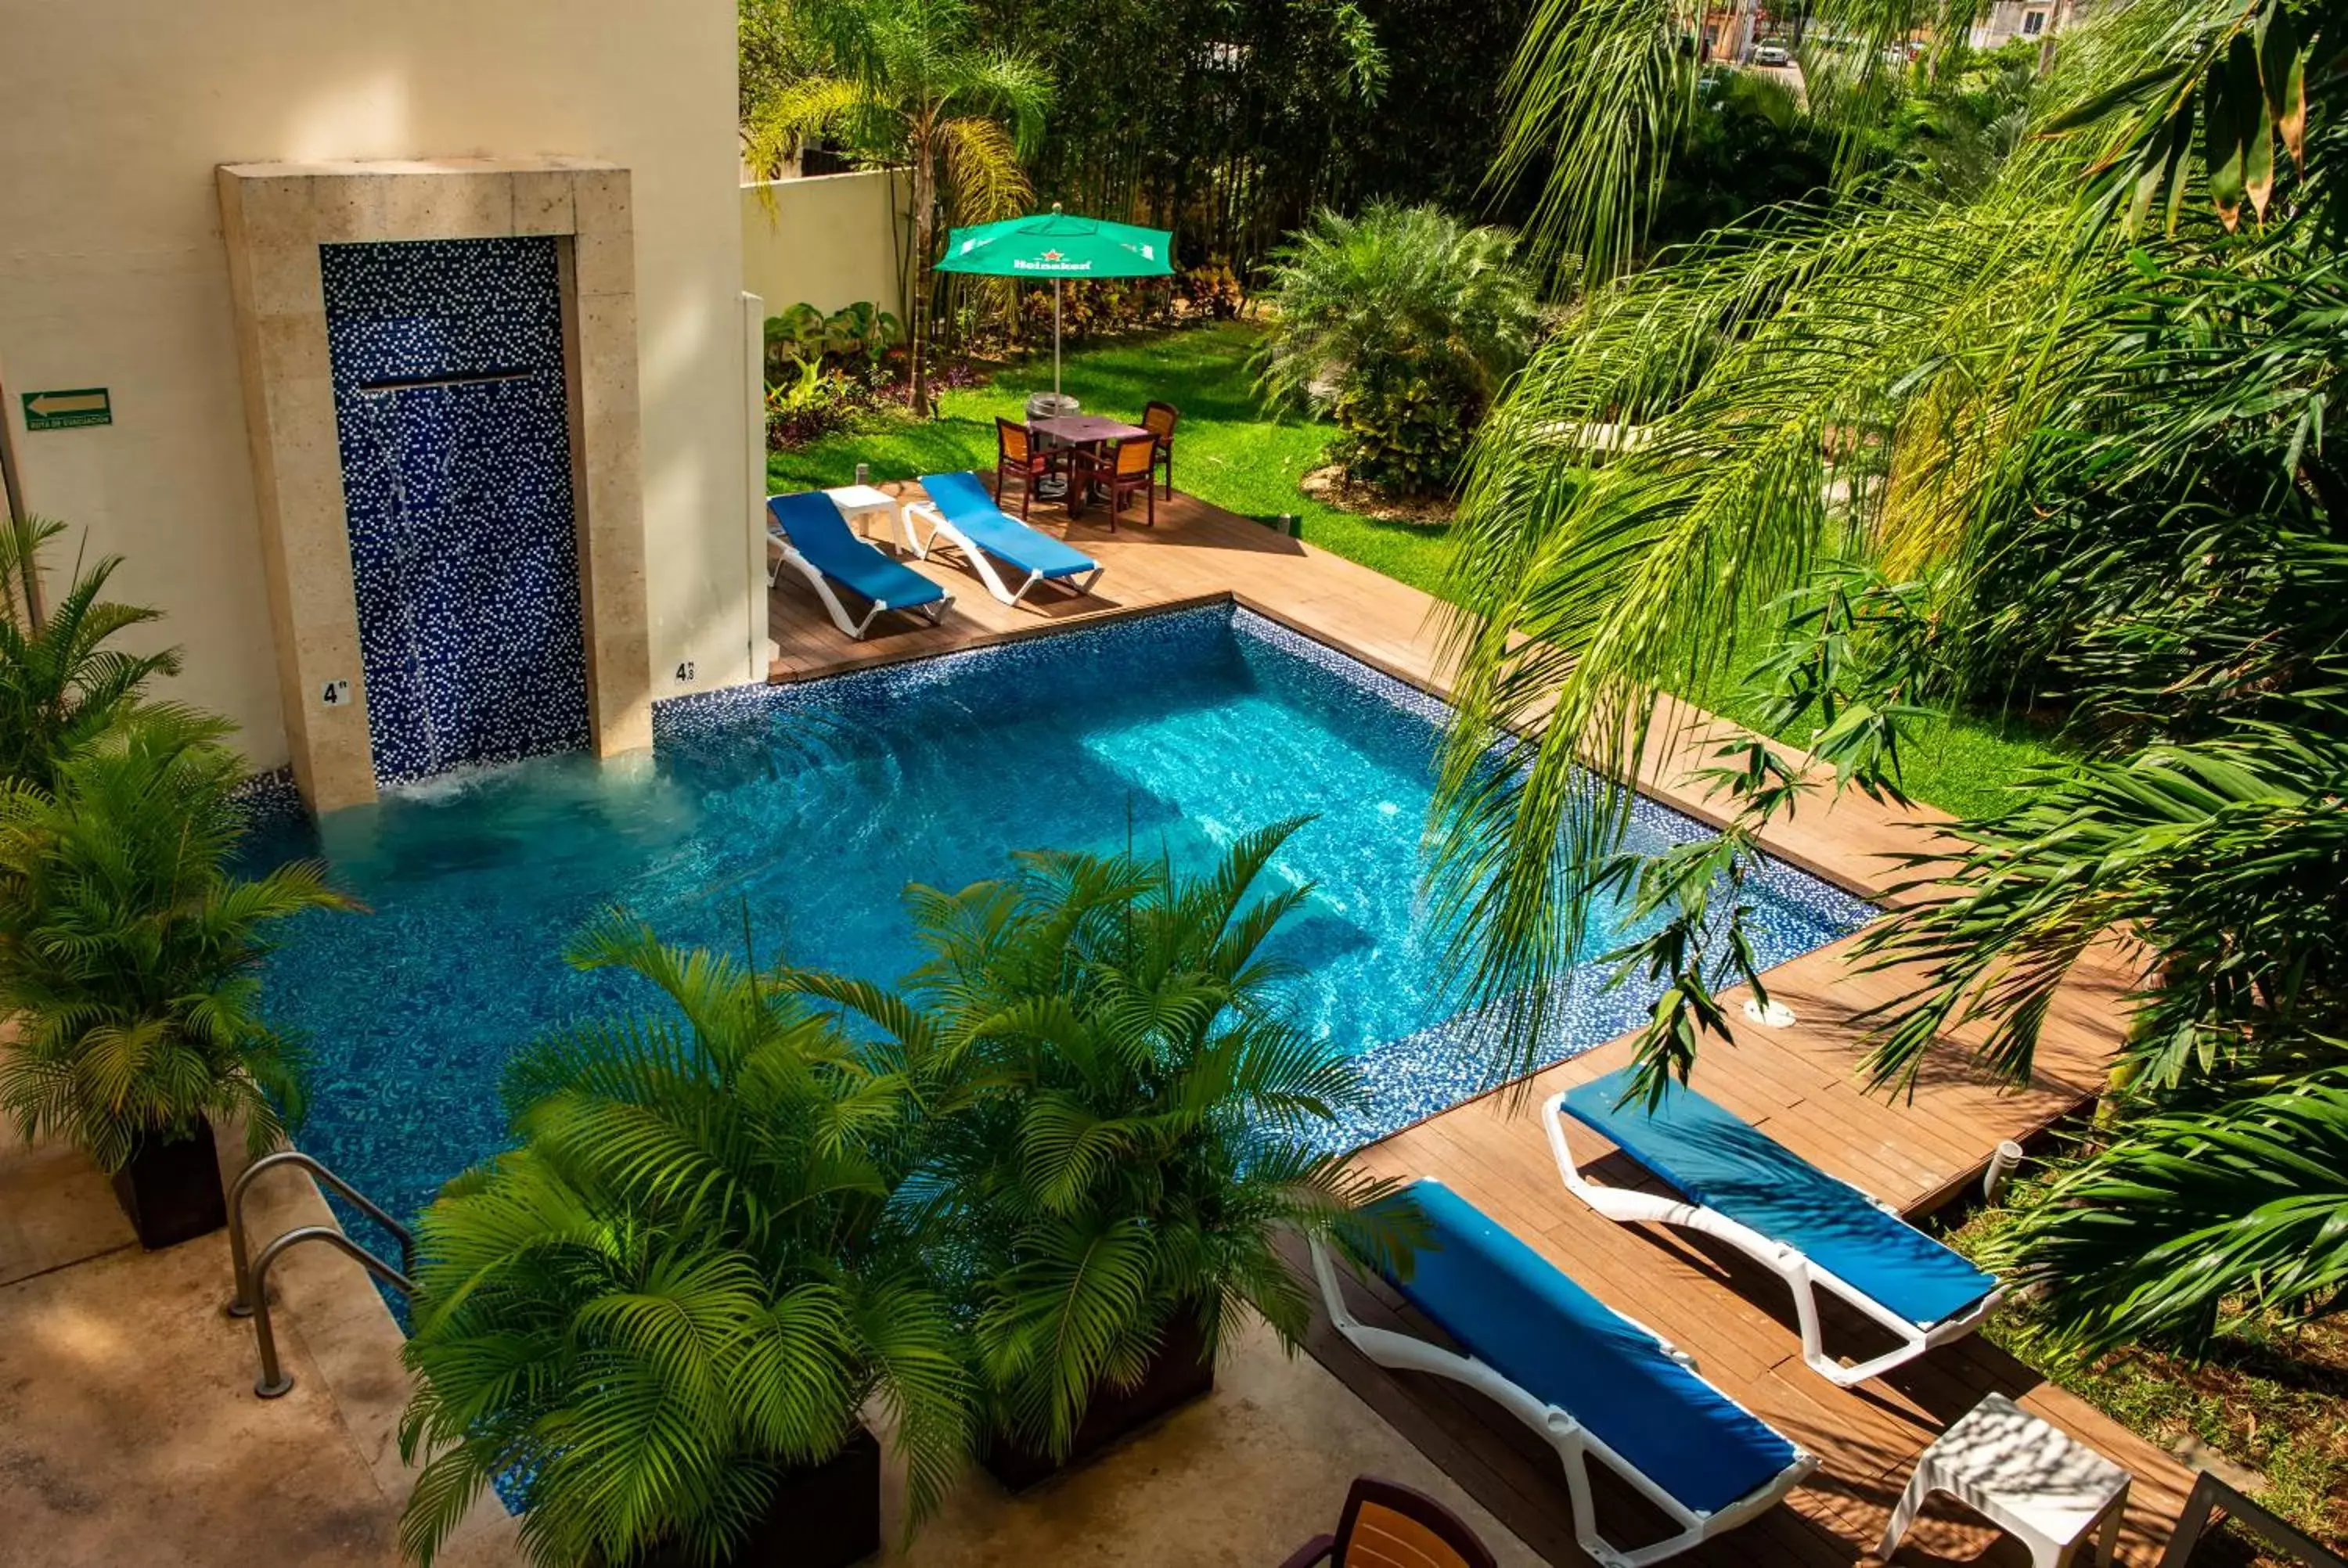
[128, 959]
[1138, 1127]
[61, 685]
[658, 1317]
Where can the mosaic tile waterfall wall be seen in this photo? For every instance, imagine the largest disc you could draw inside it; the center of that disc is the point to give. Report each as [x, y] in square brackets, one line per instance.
[456, 449]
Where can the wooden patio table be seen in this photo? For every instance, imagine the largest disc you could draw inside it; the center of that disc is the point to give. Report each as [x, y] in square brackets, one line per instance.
[1087, 431]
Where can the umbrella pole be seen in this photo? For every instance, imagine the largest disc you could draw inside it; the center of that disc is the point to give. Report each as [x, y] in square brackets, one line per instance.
[1055, 344]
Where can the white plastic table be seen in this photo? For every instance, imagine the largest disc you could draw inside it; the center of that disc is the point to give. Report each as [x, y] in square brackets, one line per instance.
[2026, 1477]
[860, 503]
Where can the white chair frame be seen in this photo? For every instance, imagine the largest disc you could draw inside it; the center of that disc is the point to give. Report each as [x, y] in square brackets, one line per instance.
[980, 562]
[1803, 1277]
[854, 627]
[1575, 1444]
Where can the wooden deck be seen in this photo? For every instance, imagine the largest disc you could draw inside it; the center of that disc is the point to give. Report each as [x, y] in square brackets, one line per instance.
[1798, 1082]
[1195, 555]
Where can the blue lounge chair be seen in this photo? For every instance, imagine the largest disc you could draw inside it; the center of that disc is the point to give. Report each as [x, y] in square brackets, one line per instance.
[816, 542]
[961, 512]
[1745, 1188]
[1593, 1382]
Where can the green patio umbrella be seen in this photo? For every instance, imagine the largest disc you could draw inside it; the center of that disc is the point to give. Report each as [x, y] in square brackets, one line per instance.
[1058, 246]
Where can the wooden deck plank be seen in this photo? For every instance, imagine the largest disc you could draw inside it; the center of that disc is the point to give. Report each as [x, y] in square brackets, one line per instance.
[1802, 1083]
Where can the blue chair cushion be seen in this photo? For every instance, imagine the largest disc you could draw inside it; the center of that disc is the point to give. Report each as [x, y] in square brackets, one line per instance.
[1724, 1162]
[965, 503]
[816, 530]
[1514, 1311]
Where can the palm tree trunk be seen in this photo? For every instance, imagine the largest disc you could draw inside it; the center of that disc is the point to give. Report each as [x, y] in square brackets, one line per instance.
[917, 309]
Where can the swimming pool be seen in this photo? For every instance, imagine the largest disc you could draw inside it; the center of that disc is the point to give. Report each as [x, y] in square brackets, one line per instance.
[805, 810]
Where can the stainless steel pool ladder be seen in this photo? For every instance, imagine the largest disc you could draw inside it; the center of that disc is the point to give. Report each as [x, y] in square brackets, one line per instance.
[252, 1297]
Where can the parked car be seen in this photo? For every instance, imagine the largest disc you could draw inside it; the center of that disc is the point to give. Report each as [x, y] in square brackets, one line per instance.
[1772, 55]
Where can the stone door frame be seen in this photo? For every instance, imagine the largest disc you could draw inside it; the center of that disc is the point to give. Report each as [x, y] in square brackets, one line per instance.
[273, 218]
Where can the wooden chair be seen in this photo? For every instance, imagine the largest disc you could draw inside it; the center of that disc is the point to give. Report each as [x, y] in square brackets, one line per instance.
[1386, 1525]
[1125, 469]
[1016, 455]
[1159, 419]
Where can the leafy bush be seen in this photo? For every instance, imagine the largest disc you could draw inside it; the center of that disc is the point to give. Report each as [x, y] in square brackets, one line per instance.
[1142, 1127]
[812, 404]
[823, 372]
[1101, 305]
[1403, 324]
[1405, 430]
[128, 951]
[689, 1276]
[854, 337]
[1746, 144]
[61, 686]
[1213, 292]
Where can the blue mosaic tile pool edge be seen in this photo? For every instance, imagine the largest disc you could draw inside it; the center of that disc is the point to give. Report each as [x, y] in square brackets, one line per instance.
[704, 713]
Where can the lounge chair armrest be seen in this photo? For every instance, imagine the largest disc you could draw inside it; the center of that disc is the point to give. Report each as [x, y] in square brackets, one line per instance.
[927, 513]
[1619, 1204]
[1314, 1551]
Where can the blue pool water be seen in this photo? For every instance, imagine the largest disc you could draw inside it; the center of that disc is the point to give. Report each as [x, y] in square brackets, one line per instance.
[807, 809]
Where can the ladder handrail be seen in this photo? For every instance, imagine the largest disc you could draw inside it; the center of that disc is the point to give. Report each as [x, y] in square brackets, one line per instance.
[241, 1304]
[274, 1380]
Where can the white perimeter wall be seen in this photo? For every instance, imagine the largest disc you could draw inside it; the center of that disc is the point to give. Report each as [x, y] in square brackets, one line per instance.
[112, 272]
[827, 241]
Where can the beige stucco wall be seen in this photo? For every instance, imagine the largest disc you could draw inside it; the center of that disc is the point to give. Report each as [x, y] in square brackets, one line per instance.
[113, 274]
[828, 242]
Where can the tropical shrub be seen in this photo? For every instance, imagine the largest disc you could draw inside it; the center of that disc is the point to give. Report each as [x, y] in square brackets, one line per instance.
[2176, 568]
[2091, 378]
[855, 337]
[1088, 308]
[1404, 430]
[1213, 292]
[1143, 1125]
[2198, 1220]
[128, 952]
[826, 371]
[1403, 322]
[689, 1275]
[1748, 143]
[811, 404]
[61, 686]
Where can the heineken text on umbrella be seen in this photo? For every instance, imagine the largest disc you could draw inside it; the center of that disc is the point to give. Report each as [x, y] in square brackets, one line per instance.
[1058, 246]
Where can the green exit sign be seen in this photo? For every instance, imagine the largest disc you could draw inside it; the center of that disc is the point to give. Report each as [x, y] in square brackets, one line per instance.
[69, 409]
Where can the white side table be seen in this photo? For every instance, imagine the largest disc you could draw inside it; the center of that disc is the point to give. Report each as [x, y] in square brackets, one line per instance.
[2026, 1477]
[861, 503]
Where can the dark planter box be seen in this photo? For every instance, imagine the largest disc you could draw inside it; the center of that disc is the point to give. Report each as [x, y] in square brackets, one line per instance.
[1177, 1375]
[172, 1191]
[824, 1516]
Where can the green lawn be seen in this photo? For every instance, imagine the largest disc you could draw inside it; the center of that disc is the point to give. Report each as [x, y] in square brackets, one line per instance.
[1228, 451]
[1967, 765]
[1232, 453]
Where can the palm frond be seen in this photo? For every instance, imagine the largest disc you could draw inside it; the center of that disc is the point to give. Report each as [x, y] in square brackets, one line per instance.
[2184, 1217]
